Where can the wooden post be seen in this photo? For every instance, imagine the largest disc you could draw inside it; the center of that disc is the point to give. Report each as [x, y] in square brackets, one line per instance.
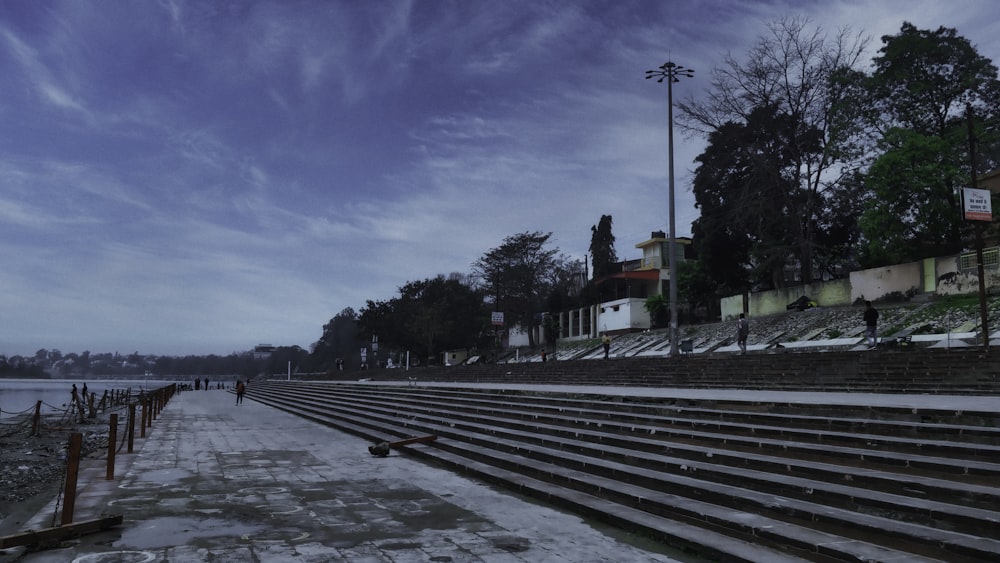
[142, 427]
[36, 419]
[112, 440]
[72, 472]
[131, 427]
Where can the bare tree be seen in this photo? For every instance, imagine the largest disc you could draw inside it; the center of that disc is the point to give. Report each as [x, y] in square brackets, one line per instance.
[793, 68]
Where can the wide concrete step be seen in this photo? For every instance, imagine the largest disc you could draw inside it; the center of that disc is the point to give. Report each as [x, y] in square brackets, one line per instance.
[786, 476]
[923, 425]
[516, 445]
[953, 371]
[768, 455]
[703, 528]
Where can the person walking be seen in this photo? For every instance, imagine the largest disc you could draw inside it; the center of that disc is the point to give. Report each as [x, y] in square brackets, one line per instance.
[871, 325]
[606, 342]
[742, 332]
[240, 390]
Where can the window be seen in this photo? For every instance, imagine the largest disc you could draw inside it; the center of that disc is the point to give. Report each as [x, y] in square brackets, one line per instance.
[991, 259]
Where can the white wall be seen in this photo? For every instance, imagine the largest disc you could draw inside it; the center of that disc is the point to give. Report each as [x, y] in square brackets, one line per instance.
[868, 285]
[871, 284]
[630, 315]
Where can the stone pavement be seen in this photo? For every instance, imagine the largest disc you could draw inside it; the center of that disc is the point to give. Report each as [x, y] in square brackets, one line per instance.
[215, 481]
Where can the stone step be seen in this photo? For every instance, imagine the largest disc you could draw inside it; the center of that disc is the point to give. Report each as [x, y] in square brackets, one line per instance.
[776, 540]
[521, 443]
[787, 470]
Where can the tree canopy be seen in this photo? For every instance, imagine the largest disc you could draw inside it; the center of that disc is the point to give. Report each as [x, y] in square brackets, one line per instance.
[426, 318]
[602, 247]
[787, 80]
[925, 86]
[519, 275]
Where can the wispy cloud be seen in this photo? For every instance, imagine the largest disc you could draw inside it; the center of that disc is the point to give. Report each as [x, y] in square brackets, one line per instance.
[195, 177]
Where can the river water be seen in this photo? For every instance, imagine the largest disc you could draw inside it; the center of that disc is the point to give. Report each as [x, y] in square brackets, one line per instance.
[20, 395]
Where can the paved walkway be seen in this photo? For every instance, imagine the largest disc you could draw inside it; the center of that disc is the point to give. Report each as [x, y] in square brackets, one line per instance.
[213, 481]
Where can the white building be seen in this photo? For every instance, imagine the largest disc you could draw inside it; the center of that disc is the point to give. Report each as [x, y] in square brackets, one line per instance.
[624, 293]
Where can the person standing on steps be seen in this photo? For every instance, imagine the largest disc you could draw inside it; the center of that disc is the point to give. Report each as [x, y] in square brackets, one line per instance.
[871, 325]
[742, 332]
[606, 342]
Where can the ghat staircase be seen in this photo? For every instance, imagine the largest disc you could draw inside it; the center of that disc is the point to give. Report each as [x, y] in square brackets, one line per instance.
[725, 480]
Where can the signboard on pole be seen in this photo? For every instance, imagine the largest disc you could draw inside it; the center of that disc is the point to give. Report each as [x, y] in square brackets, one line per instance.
[976, 205]
[497, 318]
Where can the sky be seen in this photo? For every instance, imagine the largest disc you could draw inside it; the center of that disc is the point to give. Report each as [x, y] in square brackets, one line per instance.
[188, 177]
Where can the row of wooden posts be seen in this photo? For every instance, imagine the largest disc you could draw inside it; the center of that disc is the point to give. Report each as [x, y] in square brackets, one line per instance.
[110, 398]
[150, 406]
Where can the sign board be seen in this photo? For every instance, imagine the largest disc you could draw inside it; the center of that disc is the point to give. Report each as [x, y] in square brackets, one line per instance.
[976, 205]
[497, 318]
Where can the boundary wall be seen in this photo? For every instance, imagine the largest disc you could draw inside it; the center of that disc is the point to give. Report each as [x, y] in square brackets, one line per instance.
[948, 275]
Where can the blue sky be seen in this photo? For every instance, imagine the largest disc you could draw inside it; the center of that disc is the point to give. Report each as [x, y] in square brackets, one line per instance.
[194, 177]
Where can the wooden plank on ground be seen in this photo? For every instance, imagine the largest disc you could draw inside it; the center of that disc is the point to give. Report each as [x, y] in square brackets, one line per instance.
[60, 533]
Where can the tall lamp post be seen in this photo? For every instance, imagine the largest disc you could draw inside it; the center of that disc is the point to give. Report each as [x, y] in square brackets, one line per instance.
[671, 73]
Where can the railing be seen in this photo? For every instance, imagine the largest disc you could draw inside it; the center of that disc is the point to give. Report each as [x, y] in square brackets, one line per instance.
[648, 263]
[991, 258]
[150, 403]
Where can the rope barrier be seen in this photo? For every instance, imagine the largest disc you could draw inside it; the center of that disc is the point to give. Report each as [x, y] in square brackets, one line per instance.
[71, 417]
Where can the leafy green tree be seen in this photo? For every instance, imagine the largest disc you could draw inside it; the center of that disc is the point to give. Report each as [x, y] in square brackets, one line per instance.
[923, 84]
[340, 339]
[427, 317]
[442, 313]
[914, 212]
[924, 79]
[658, 307]
[602, 247]
[747, 194]
[519, 275]
[698, 289]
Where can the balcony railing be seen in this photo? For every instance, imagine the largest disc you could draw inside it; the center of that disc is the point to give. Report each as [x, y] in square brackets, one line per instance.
[649, 263]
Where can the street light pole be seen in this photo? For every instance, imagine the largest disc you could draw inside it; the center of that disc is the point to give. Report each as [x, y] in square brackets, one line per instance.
[671, 73]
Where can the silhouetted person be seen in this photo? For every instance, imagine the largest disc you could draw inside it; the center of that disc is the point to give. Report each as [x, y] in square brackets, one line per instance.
[871, 324]
[742, 332]
[240, 390]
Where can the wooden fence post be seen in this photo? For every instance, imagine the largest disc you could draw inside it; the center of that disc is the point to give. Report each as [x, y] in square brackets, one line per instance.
[72, 472]
[112, 439]
[131, 427]
[36, 419]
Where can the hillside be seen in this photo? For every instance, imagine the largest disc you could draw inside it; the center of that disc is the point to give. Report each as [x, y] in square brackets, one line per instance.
[829, 326]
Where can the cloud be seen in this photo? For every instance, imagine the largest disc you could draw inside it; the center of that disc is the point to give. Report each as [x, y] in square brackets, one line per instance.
[192, 177]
